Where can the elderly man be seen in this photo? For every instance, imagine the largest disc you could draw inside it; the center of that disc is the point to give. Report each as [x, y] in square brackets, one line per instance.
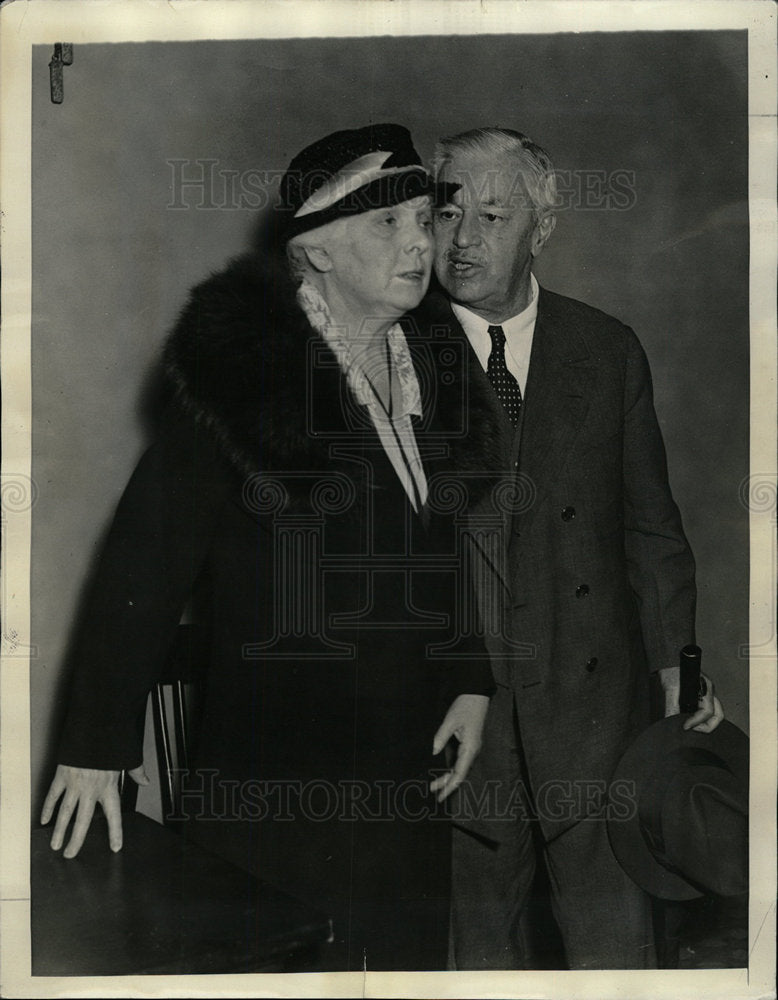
[589, 588]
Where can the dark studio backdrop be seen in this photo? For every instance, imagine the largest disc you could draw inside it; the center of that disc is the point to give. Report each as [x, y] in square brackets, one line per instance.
[649, 132]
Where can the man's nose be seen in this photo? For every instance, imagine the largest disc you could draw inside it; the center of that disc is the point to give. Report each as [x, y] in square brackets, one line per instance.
[467, 232]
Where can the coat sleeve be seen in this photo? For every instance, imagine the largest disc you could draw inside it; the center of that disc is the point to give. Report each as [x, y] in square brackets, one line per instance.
[143, 578]
[469, 671]
[659, 560]
[472, 675]
[472, 681]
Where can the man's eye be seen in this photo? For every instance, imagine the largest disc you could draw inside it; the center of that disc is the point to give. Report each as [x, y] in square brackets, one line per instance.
[388, 220]
[445, 215]
[425, 221]
[491, 217]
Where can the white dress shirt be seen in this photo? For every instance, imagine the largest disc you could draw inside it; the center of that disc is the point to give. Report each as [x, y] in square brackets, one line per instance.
[518, 332]
[396, 435]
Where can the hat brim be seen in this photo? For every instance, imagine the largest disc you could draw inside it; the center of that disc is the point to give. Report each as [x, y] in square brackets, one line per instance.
[382, 193]
[629, 845]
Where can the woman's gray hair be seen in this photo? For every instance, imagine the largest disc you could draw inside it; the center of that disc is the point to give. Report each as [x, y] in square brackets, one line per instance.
[532, 160]
[297, 259]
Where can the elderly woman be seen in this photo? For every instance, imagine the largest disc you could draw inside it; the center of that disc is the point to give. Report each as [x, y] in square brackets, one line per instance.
[290, 498]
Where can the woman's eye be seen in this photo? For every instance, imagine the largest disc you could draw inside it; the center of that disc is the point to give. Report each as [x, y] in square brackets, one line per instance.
[425, 221]
[445, 215]
[388, 220]
[491, 217]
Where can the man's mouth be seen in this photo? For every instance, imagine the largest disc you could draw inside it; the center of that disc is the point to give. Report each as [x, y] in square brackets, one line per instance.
[462, 266]
[412, 275]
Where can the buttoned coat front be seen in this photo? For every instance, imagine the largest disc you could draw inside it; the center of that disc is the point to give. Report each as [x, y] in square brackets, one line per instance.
[584, 577]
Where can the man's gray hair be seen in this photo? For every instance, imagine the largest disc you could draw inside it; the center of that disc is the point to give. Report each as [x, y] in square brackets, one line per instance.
[533, 161]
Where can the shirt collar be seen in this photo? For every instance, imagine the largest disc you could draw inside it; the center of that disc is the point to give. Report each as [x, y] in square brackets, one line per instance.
[319, 316]
[513, 328]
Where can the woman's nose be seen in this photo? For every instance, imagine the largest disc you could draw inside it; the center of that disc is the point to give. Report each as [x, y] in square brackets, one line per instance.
[419, 238]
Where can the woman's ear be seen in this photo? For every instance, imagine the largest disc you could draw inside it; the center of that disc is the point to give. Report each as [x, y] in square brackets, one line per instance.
[319, 258]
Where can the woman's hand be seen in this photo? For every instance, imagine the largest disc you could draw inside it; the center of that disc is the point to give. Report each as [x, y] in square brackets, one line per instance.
[465, 720]
[83, 788]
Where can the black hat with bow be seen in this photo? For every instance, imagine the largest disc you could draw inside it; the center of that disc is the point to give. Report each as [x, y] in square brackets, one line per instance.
[349, 172]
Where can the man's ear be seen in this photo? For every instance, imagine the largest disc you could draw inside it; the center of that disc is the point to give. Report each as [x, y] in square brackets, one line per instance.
[543, 229]
[319, 258]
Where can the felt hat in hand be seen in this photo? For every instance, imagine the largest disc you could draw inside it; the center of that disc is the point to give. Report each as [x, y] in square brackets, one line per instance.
[687, 834]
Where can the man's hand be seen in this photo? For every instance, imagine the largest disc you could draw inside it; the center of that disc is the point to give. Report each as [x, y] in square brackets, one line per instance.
[465, 720]
[708, 715]
[83, 788]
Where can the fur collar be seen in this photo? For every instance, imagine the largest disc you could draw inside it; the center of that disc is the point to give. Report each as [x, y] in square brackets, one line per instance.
[238, 362]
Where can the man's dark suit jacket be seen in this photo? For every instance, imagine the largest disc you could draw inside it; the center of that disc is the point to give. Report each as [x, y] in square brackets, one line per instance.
[590, 585]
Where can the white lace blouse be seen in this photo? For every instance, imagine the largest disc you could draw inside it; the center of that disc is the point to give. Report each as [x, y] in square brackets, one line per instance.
[395, 432]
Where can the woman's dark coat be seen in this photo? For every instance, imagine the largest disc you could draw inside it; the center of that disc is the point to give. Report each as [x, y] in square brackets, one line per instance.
[268, 504]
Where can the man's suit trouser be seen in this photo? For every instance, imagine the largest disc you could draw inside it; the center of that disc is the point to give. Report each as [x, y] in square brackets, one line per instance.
[604, 918]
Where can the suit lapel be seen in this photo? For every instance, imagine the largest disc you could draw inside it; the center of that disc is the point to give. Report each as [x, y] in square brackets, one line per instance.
[483, 522]
[556, 400]
[483, 514]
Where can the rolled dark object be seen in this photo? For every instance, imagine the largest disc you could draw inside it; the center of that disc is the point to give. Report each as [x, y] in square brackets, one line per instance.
[691, 661]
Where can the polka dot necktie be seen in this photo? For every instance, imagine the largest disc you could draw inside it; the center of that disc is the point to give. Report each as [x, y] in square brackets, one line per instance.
[504, 384]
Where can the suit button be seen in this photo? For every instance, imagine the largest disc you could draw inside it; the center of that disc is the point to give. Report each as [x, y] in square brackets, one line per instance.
[582, 591]
[591, 664]
[568, 513]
